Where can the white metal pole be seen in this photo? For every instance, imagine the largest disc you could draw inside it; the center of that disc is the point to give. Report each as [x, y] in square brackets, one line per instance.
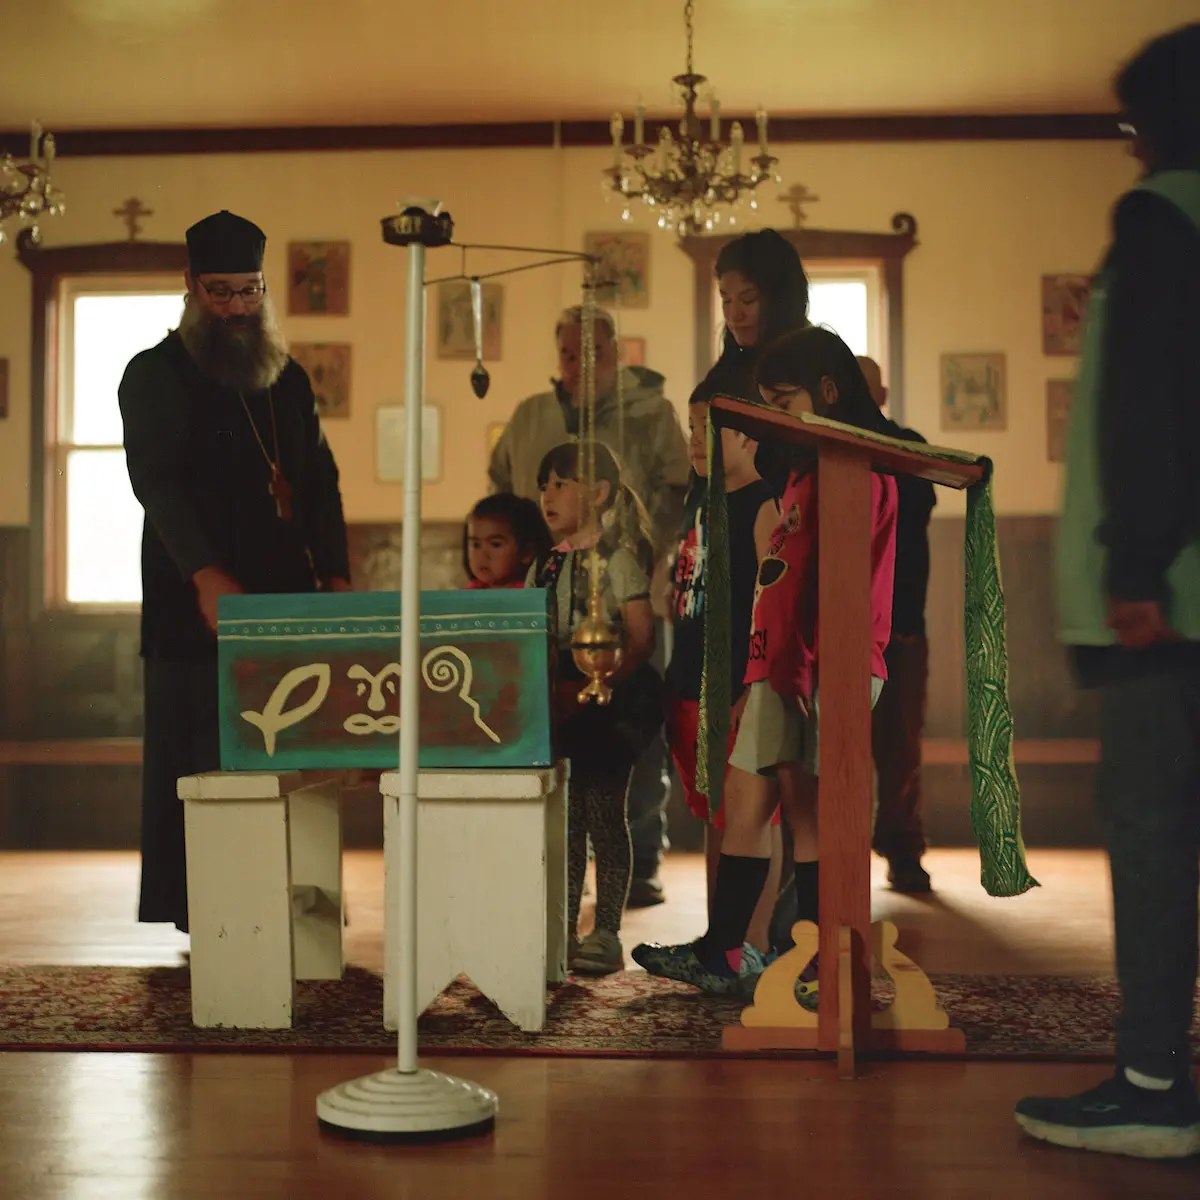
[405, 1102]
[410, 658]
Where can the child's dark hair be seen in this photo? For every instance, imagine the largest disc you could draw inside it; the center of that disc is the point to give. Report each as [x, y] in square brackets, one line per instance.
[629, 525]
[524, 518]
[772, 264]
[805, 357]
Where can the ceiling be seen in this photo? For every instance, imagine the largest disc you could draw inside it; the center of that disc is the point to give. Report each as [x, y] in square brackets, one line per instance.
[111, 64]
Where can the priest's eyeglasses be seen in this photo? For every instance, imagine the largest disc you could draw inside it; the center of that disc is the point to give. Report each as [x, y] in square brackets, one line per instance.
[222, 293]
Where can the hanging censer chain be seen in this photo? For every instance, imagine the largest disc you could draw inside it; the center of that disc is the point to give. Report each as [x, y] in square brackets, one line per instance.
[279, 488]
[620, 394]
[589, 395]
[595, 643]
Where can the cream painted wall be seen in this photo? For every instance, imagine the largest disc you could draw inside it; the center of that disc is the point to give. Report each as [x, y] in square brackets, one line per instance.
[992, 218]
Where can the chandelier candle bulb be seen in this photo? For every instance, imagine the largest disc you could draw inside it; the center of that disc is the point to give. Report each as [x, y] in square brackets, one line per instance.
[736, 137]
[618, 128]
[639, 119]
[761, 117]
[714, 130]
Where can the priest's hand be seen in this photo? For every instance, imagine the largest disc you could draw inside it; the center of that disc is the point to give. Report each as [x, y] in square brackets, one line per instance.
[338, 585]
[211, 584]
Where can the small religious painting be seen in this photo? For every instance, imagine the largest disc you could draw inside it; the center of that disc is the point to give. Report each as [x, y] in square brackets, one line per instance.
[623, 273]
[3, 388]
[456, 320]
[494, 432]
[1058, 411]
[633, 352]
[973, 392]
[319, 278]
[328, 367]
[391, 440]
[1064, 300]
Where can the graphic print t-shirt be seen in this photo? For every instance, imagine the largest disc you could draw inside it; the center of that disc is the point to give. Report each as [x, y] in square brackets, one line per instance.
[689, 581]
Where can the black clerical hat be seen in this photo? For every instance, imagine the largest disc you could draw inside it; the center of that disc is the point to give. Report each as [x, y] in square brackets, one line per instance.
[225, 244]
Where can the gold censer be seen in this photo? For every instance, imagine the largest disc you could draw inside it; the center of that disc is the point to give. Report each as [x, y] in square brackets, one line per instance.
[596, 647]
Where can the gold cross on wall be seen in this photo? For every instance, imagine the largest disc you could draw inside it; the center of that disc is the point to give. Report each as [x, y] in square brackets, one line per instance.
[129, 213]
[795, 198]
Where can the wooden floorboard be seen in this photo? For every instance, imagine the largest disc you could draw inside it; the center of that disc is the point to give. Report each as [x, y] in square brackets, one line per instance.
[234, 1127]
[78, 907]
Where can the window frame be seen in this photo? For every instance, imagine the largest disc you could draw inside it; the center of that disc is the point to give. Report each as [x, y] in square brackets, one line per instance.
[48, 267]
[60, 414]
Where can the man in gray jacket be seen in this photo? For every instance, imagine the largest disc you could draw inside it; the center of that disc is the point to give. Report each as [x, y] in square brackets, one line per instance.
[650, 446]
[647, 438]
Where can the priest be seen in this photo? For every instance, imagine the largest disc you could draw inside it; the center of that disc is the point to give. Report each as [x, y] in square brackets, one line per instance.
[240, 491]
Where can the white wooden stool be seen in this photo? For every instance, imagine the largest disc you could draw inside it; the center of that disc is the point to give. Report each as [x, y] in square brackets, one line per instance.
[491, 886]
[264, 865]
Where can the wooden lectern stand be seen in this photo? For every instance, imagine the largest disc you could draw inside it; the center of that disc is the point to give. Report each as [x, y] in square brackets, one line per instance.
[844, 1022]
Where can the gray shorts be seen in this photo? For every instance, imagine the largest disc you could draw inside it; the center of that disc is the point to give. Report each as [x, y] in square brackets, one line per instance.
[772, 732]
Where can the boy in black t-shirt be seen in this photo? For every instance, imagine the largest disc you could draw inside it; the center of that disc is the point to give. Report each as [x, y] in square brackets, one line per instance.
[753, 514]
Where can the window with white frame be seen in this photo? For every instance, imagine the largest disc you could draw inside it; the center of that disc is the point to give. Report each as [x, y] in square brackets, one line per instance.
[95, 528]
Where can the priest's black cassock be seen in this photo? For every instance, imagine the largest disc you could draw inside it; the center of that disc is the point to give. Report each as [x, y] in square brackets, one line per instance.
[198, 461]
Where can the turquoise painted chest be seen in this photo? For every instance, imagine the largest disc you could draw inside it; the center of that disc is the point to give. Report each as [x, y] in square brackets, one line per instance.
[313, 681]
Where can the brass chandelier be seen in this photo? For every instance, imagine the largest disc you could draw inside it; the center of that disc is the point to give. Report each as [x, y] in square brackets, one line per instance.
[692, 180]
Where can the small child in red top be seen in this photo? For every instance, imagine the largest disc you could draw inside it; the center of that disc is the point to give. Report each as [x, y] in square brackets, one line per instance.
[808, 370]
[504, 537]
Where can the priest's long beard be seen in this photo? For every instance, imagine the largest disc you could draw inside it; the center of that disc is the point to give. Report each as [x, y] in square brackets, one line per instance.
[245, 352]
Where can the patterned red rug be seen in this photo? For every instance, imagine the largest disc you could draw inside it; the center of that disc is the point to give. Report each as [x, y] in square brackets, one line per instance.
[147, 1008]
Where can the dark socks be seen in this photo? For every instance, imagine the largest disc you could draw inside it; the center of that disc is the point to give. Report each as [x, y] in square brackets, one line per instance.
[739, 884]
[807, 891]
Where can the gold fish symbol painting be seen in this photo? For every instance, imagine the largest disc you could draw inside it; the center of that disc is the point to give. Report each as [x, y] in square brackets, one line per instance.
[274, 718]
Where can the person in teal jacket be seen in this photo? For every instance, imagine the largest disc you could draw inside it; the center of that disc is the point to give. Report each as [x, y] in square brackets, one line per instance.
[1129, 609]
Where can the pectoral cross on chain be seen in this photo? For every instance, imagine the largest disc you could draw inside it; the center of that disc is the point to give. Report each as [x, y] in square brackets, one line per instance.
[282, 491]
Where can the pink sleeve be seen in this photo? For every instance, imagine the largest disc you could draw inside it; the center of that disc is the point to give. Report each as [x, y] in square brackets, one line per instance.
[883, 558]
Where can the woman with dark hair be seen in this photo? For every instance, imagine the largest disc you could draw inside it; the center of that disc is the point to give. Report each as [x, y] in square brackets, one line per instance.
[764, 293]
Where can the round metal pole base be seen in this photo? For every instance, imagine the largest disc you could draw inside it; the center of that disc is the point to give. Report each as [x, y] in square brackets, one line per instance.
[421, 1106]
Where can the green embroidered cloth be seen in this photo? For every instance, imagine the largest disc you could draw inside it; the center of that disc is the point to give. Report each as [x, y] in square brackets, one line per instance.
[995, 792]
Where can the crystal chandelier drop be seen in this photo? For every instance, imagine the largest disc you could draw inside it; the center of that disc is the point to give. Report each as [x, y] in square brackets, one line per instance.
[27, 194]
[691, 179]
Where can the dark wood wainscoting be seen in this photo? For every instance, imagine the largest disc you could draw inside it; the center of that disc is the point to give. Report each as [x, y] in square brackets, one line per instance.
[70, 676]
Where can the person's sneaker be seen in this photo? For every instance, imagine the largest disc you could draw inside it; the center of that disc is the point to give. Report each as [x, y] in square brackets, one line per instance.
[1118, 1118]
[683, 964]
[908, 876]
[645, 893]
[754, 961]
[600, 953]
